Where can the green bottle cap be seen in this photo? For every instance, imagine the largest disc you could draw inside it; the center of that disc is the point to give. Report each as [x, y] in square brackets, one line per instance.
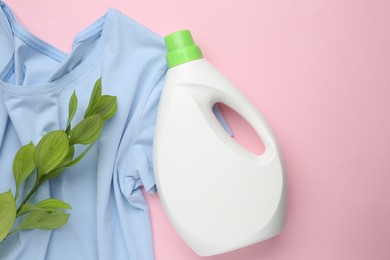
[181, 48]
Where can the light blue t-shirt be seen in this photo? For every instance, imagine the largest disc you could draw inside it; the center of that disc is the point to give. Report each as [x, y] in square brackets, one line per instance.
[109, 217]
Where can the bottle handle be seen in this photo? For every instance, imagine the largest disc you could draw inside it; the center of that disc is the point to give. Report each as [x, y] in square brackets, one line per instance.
[240, 103]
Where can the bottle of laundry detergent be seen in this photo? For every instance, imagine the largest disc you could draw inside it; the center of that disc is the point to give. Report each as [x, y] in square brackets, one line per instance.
[218, 195]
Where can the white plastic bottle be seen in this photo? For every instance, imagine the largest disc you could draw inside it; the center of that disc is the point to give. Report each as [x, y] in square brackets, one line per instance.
[218, 195]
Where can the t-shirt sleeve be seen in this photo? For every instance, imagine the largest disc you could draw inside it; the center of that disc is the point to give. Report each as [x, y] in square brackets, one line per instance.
[137, 167]
[143, 146]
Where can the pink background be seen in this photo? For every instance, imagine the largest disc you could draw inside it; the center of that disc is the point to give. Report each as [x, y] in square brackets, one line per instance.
[319, 71]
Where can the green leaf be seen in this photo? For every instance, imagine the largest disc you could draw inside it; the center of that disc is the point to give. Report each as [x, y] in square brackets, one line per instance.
[53, 204]
[51, 151]
[87, 131]
[61, 167]
[43, 218]
[23, 165]
[68, 158]
[44, 204]
[95, 97]
[7, 213]
[72, 107]
[106, 108]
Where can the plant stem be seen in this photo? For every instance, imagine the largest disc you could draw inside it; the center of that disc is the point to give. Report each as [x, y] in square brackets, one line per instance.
[36, 185]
